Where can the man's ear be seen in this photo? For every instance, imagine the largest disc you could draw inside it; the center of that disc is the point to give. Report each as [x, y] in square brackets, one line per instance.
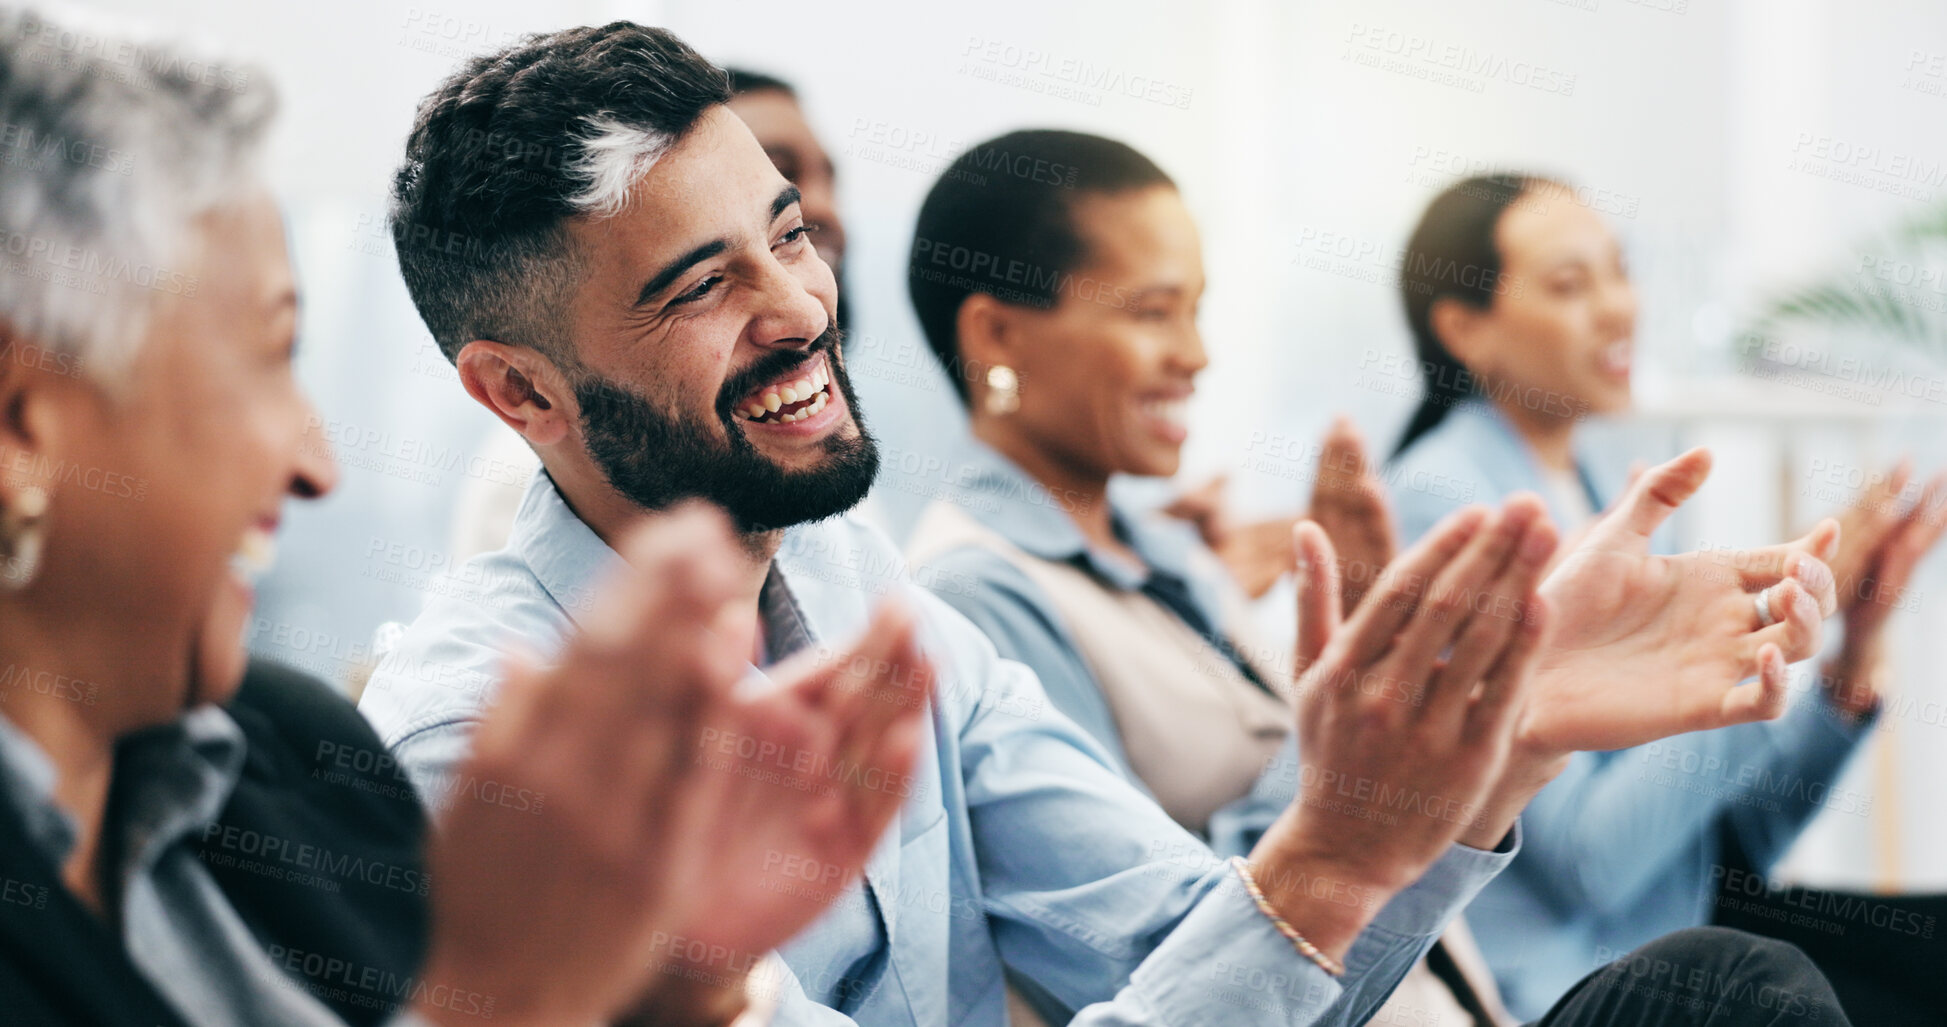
[1460, 328]
[521, 387]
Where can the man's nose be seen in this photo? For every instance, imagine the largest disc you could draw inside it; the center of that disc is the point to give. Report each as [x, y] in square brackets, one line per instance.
[789, 314]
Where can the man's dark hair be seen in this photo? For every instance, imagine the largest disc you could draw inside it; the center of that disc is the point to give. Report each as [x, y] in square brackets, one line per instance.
[513, 145]
[744, 80]
[1001, 221]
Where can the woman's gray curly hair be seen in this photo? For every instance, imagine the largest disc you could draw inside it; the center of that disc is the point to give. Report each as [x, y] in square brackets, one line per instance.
[110, 146]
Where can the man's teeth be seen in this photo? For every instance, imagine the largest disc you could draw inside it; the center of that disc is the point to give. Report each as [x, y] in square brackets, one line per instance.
[256, 551]
[810, 387]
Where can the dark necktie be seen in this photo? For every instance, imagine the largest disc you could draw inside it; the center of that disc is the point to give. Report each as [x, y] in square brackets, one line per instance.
[1173, 595]
[1441, 962]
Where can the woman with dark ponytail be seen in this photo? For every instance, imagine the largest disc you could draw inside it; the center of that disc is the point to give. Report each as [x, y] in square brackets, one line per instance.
[1523, 316]
[1457, 232]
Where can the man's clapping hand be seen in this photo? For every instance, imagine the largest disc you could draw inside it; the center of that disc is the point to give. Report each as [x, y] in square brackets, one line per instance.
[564, 916]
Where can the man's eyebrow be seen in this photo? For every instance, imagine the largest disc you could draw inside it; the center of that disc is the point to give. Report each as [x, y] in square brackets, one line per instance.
[674, 269]
[785, 199]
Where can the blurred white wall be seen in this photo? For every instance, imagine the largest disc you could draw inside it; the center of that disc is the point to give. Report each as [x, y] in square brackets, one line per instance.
[1724, 140]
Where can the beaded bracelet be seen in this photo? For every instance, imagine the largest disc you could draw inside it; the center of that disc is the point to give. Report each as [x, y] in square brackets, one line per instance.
[1305, 948]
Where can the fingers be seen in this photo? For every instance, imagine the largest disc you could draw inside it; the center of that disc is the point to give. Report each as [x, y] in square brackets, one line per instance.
[1881, 506]
[1446, 606]
[1877, 509]
[1802, 560]
[1763, 699]
[882, 679]
[1916, 533]
[1653, 498]
[1343, 479]
[682, 565]
[1882, 585]
[1823, 540]
[517, 703]
[647, 671]
[1798, 618]
[1504, 687]
[644, 654]
[1259, 553]
[1372, 526]
[853, 724]
[889, 743]
[1350, 504]
[1341, 458]
[1918, 529]
[1380, 616]
[1493, 622]
[1318, 592]
[1204, 507]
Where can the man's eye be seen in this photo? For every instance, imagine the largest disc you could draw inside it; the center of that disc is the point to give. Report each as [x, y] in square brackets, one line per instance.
[795, 234]
[700, 290]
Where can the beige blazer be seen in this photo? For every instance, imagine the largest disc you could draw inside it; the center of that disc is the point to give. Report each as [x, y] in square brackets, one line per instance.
[1196, 731]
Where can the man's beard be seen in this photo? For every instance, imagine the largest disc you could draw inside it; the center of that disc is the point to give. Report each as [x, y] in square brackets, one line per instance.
[657, 459]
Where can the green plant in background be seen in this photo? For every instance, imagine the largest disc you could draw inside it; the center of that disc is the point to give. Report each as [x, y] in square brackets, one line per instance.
[1894, 292]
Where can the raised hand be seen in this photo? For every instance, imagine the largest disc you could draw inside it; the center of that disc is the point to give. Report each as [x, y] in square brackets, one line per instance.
[1647, 646]
[1205, 509]
[566, 915]
[1256, 554]
[555, 914]
[1883, 538]
[1349, 502]
[1406, 712]
[822, 760]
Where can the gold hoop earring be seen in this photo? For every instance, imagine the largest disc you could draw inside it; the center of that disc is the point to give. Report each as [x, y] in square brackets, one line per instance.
[22, 530]
[1003, 390]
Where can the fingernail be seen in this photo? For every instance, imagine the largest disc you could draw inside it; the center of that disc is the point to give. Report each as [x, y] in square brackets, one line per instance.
[1536, 545]
[1813, 574]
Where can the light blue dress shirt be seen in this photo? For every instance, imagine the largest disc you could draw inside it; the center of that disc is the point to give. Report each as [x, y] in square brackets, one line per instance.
[1029, 850]
[1624, 846]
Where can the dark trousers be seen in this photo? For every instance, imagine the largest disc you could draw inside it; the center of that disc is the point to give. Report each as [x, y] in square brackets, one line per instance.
[1702, 977]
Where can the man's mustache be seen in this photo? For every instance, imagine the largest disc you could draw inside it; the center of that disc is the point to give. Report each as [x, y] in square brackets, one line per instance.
[774, 365]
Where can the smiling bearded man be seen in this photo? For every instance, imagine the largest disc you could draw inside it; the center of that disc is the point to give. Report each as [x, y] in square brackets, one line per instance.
[622, 276]
[657, 458]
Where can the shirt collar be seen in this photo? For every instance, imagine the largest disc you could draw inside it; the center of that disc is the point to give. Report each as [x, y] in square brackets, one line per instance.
[1026, 513]
[1490, 418]
[27, 785]
[565, 554]
[571, 561]
[169, 780]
